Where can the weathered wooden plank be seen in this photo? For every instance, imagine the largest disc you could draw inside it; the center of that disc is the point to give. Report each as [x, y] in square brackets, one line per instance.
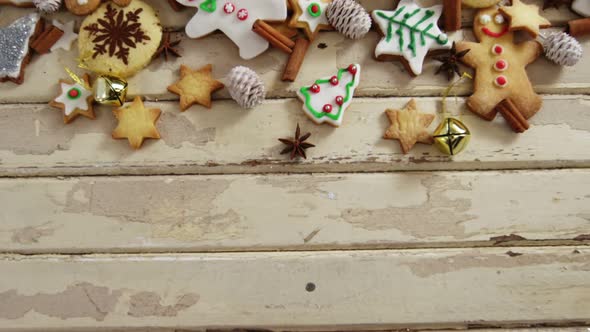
[379, 78]
[294, 212]
[177, 20]
[229, 140]
[320, 290]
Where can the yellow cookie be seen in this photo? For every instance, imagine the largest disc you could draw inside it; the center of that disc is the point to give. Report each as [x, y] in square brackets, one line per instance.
[480, 3]
[119, 41]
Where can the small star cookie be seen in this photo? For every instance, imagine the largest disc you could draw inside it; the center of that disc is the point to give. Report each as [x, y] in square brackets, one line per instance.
[75, 99]
[136, 123]
[65, 42]
[525, 17]
[409, 126]
[310, 15]
[195, 86]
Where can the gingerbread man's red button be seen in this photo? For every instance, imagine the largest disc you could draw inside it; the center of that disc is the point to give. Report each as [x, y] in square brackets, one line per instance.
[501, 81]
[501, 65]
[497, 49]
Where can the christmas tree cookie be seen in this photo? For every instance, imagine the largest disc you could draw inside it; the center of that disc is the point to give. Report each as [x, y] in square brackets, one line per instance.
[235, 18]
[410, 32]
[14, 43]
[328, 98]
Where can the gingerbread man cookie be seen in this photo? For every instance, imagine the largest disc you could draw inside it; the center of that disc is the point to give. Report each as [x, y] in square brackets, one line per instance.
[500, 64]
[235, 18]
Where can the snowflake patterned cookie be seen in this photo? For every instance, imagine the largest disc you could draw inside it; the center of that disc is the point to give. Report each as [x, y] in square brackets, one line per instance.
[410, 32]
[581, 7]
[310, 15]
[327, 99]
[235, 18]
[74, 99]
[119, 41]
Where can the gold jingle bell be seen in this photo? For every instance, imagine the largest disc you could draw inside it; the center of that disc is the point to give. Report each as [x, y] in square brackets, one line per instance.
[110, 90]
[452, 136]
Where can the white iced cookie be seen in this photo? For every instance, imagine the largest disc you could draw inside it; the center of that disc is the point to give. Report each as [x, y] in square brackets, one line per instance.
[409, 33]
[65, 42]
[310, 15]
[581, 7]
[235, 18]
[327, 99]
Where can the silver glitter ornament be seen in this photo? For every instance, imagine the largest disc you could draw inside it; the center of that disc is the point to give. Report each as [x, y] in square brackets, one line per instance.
[14, 47]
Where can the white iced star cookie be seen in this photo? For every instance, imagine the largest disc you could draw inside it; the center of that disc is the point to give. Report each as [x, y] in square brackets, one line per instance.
[310, 15]
[65, 42]
[581, 7]
[74, 99]
[409, 33]
[235, 18]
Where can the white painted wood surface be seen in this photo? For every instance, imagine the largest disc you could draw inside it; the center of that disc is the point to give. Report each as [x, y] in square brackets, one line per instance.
[294, 212]
[180, 235]
[358, 289]
[227, 139]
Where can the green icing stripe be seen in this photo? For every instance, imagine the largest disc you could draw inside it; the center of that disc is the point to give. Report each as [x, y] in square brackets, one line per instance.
[413, 29]
[318, 115]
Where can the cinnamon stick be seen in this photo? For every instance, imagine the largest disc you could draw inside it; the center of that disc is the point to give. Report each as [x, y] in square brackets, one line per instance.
[46, 39]
[275, 33]
[295, 60]
[452, 15]
[513, 116]
[175, 5]
[274, 41]
[579, 27]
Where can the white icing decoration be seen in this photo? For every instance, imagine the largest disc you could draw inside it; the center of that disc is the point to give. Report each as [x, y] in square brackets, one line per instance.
[240, 32]
[313, 22]
[581, 7]
[392, 46]
[65, 42]
[82, 2]
[72, 104]
[485, 19]
[499, 19]
[328, 94]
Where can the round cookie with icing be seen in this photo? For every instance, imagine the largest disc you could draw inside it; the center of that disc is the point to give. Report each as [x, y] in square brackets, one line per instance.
[581, 7]
[499, 63]
[82, 7]
[119, 40]
[74, 99]
[410, 32]
[310, 15]
[235, 18]
[327, 98]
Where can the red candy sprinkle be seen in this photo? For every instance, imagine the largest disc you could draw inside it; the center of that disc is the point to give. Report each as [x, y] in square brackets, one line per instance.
[315, 8]
[339, 100]
[73, 93]
[501, 80]
[498, 49]
[229, 8]
[501, 65]
[315, 88]
[352, 69]
[243, 14]
[327, 108]
[334, 80]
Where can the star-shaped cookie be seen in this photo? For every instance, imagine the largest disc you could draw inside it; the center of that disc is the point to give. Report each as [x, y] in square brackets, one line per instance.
[65, 42]
[235, 19]
[310, 15]
[74, 99]
[136, 123]
[195, 86]
[409, 126]
[525, 17]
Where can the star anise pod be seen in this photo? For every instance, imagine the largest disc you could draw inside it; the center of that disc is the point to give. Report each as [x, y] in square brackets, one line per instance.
[298, 145]
[555, 3]
[167, 47]
[450, 62]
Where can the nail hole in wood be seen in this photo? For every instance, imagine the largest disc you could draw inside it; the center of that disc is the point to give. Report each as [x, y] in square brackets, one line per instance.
[310, 287]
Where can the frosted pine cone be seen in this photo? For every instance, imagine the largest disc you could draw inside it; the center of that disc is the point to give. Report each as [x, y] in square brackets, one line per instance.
[246, 87]
[48, 6]
[349, 18]
[562, 49]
